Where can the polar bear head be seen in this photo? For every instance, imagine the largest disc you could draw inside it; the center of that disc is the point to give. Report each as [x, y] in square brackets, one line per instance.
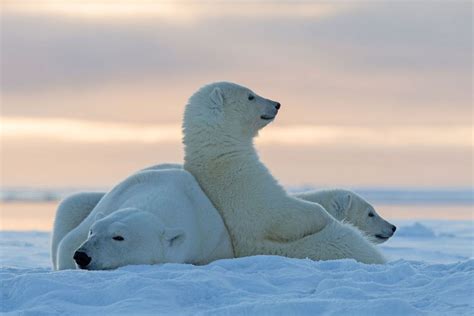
[352, 208]
[128, 236]
[230, 109]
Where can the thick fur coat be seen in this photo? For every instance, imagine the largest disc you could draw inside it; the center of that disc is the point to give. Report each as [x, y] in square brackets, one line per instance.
[220, 122]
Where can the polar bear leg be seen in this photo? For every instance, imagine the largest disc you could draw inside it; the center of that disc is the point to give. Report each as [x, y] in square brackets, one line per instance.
[298, 219]
[335, 241]
[71, 212]
[68, 245]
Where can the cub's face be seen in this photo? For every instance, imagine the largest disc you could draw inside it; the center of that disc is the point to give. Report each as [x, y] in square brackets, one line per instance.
[355, 210]
[364, 217]
[240, 109]
[125, 237]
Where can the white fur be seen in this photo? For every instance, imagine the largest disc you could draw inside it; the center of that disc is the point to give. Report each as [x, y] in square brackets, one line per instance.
[76, 207]
[151, 208]
[220, 123]
[347, 206]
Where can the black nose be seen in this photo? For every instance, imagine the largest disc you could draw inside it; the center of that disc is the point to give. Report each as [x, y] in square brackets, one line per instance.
[278, 105]
[81, 258]
[394, 228]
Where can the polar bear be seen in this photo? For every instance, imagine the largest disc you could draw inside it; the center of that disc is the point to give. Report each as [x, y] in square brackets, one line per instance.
[220, 122]
[182, 225]
[76, 207]
[347, 206]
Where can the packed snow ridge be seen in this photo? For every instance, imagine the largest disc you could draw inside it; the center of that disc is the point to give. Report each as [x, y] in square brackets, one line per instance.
[430, 274]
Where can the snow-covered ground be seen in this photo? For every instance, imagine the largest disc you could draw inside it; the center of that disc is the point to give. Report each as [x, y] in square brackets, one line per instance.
[430, 273]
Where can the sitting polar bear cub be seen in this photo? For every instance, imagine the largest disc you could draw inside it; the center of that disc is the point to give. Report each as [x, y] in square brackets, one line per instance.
[220, 122]
[154, 216]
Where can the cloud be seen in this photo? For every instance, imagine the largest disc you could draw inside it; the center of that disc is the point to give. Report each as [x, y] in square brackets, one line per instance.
[379, 91]
[319, 99]
[70, 131]
[47, 51]
[177, 11]
[387, 63]
[52, 163]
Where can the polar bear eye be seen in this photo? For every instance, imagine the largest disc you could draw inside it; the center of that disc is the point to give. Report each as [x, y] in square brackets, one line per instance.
[251, 97]
[119, 238]
[371, 215]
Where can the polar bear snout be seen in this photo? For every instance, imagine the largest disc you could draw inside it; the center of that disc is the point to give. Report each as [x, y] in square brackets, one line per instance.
[82, 259]
[391, 230]
[271, 110]
[380, 238]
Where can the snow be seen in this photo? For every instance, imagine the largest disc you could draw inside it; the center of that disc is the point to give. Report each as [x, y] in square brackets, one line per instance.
[430, 273]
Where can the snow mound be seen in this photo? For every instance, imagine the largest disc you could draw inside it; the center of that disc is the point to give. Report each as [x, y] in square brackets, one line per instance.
[259, 285]
[415, 230]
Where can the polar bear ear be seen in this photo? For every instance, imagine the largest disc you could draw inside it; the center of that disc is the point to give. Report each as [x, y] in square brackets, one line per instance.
[217, 97]
[342, 202]
[99, 216]
[173, 237]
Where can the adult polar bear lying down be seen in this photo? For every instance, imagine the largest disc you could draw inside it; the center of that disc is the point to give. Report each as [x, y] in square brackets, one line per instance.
[75, 208]
[153, 216]
[220, 122]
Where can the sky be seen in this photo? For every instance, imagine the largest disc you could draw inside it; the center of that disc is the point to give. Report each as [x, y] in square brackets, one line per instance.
[373, 93]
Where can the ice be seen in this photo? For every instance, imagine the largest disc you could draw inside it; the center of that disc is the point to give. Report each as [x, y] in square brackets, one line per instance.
[416, 230]
[430, 273]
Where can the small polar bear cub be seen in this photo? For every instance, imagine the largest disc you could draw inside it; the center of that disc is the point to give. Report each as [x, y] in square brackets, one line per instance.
[154, 216]
[347, 206]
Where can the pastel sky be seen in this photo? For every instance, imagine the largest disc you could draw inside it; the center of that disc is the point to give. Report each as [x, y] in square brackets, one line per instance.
[373, 93]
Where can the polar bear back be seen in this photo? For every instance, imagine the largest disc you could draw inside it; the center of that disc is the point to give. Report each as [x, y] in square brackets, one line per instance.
[158, 192]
